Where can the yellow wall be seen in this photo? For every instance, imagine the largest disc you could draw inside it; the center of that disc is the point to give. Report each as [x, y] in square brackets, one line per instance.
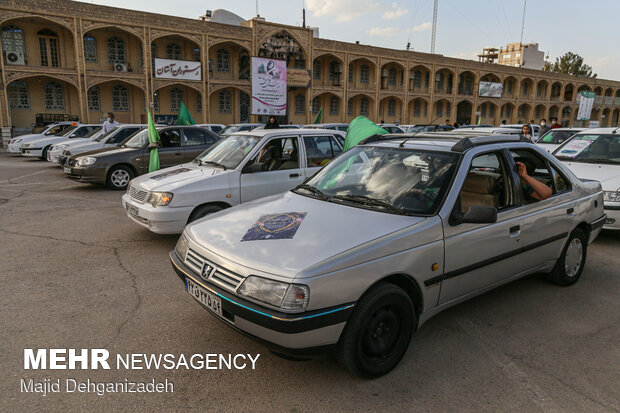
[26, 118]
[132, 50]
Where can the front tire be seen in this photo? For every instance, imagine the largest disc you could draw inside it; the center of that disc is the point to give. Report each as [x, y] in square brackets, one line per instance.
[119, 177]
[44, 153]
[377, 335]
[569, 267]
[203, 211]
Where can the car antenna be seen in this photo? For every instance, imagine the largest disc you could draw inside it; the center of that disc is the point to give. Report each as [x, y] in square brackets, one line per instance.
[615, 130]
[403, 142]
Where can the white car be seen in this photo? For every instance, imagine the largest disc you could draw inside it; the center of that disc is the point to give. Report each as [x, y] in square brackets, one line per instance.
[64, 150]
[238, 127]
[55, 151]
[334, 126]
[39, 147]
[49, 130]
[555, 137]
[239, 168]
[594, 154]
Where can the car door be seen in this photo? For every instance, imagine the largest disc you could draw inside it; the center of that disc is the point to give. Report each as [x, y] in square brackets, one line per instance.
[546, 223]
[171, 151]
[319, 150]
[480, 255]
[275, 168]
[196, 141]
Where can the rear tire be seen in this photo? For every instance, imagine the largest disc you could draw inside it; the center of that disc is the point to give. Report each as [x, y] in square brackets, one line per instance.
[43, 156]
[203, 211]
[569, 267]
[119, 177]
[377, 335]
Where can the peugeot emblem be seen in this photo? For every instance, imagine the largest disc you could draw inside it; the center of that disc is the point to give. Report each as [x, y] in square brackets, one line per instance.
[206, 271]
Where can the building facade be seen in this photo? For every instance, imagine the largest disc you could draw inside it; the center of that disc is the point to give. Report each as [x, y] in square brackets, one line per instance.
[78, 60]
[515, 54]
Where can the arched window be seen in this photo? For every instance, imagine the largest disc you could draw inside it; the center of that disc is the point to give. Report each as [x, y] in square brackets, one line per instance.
[120, 98]
[90, 48]
[335, 68]
[19, 96]
[48, 48]
[116, 50]
[176, 96]
[334, 106]
[93, 98]
[316, 70]
[223, 62]
[365, 74]
[316, 105]
[392, 107]
[13, 39]
[417, 108]
[244, 65]
[300, 104]
[173, 51]
[225, 101]
[54, 96]
[350, 106]
[196, 54]
[351, 76]
[364, 107]
[392, 77]
[156, 102]
[198, 102]
[153, 54]
[417, 79]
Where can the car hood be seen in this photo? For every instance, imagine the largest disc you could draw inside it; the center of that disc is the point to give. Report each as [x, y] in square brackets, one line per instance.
[52, 140]
[607, 175]
[327, 229]
[171, 178]
[105, 152]
[83, 146]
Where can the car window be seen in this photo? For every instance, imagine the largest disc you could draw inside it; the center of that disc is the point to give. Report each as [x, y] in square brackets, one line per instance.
[591, 148]
[342, 128]
[56, 130]
[537, 167]
[560, 182]
[275, 155]
[320, 150]
[216, 128]
[170, 138]
[488, 183]
[556, 137]
[122, 134]
[194, 137]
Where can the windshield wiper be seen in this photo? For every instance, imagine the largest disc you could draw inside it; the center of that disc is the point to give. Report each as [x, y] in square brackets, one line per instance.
[313, 190]
[213, 163]
[366, 200]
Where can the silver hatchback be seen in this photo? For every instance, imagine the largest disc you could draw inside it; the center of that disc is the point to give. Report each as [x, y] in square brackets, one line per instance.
[385, 236]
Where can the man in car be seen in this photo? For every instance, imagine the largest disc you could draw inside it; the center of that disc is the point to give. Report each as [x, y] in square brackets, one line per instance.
[533, 189]
[555, 124]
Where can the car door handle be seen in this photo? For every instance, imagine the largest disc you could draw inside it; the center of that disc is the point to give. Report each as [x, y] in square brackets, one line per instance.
[293, 176]
[570, 211]
[178, 153]
[515, 230]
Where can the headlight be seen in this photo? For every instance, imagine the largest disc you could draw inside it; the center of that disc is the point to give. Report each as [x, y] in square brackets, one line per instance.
[66, 152]
[182, 247]
[160, 198]
[15, 140]
[58, 147]
[86, 160]
[276, 293]
[611, 196]
[28, 145]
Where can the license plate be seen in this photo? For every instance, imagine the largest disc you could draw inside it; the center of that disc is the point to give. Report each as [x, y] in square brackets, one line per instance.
[66, 170]
[132, 210]
[26, 151]
[211, 301]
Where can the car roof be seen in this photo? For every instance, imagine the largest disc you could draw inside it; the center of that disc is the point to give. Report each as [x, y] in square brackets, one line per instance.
[615, 129]
[287, 131]
[437, 141]
[567, 129]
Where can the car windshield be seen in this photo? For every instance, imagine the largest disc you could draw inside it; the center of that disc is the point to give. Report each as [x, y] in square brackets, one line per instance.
[415, 129]
[66, 131]
[93, 133]
[228, 152]
[556, 136]
[392, 180]
[105, 135]
[57, 130]
[591, 148]
[137, 140]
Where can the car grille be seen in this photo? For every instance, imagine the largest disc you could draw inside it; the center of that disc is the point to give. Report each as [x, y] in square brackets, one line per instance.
[137, 194]
[211, 272]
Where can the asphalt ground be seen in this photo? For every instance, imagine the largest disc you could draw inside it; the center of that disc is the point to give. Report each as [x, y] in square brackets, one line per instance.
[77, 273]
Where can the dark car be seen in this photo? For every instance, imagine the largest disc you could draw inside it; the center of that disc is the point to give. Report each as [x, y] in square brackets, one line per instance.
[115, 167]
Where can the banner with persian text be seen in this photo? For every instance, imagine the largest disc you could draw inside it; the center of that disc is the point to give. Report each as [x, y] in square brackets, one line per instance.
[177, 69]
[268, 86]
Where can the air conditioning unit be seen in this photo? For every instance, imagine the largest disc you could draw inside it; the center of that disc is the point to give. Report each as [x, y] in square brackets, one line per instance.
[120, 67]
[15, 58]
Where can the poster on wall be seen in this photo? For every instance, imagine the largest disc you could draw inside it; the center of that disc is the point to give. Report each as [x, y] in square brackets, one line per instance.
[268, 86]
[177, 69]
[585, 105]
[490, 89]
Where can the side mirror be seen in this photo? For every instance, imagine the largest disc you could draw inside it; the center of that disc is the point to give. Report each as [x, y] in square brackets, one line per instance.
[476, 214]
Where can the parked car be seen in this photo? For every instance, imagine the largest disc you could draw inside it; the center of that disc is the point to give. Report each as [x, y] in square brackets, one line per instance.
[332, 126]
[474, 126]
[110, 139]
[238, 127]
[366, 251]
[555, 137]
[213, 127]
[393, 128]
[519, 126]
[430, 128]
[50, 130]
[39, 147]
[56, 150]
[595, 154]
[240, 168]
[281, 127]
[115, 167]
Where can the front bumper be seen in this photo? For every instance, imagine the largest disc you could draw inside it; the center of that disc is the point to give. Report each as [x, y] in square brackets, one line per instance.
[161, 220]
[31, 152]
[613, 217]
[14, 147]
[309, 334]
[91, 175]
[53, 156]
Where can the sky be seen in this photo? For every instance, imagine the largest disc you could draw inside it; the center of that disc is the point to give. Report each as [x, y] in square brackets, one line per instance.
[464, 27]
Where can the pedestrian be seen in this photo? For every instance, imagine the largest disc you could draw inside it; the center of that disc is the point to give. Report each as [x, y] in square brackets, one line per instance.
[554, 123]
[531, 121]
[447, 122]
[543, 127]
[272, 123]
[526, 131]
[110, 123]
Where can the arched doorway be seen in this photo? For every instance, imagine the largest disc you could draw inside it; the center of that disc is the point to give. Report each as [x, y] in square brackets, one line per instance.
[464, 112]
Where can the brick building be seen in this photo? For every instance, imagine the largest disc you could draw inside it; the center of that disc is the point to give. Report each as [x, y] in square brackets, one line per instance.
[82, 60]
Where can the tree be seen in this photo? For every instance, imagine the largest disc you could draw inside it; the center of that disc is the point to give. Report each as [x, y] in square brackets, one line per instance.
[570, 63]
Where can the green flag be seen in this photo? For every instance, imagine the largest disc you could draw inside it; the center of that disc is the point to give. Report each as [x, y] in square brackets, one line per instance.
[153, 139]
[361, 128]
[184, 117]
[319, 116]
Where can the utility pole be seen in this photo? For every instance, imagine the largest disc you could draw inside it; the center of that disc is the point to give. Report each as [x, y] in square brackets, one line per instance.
[523, 22]
[434, 27]
[303, 13]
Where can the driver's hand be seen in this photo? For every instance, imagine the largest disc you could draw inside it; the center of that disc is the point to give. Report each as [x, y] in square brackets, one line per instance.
[521, 170]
